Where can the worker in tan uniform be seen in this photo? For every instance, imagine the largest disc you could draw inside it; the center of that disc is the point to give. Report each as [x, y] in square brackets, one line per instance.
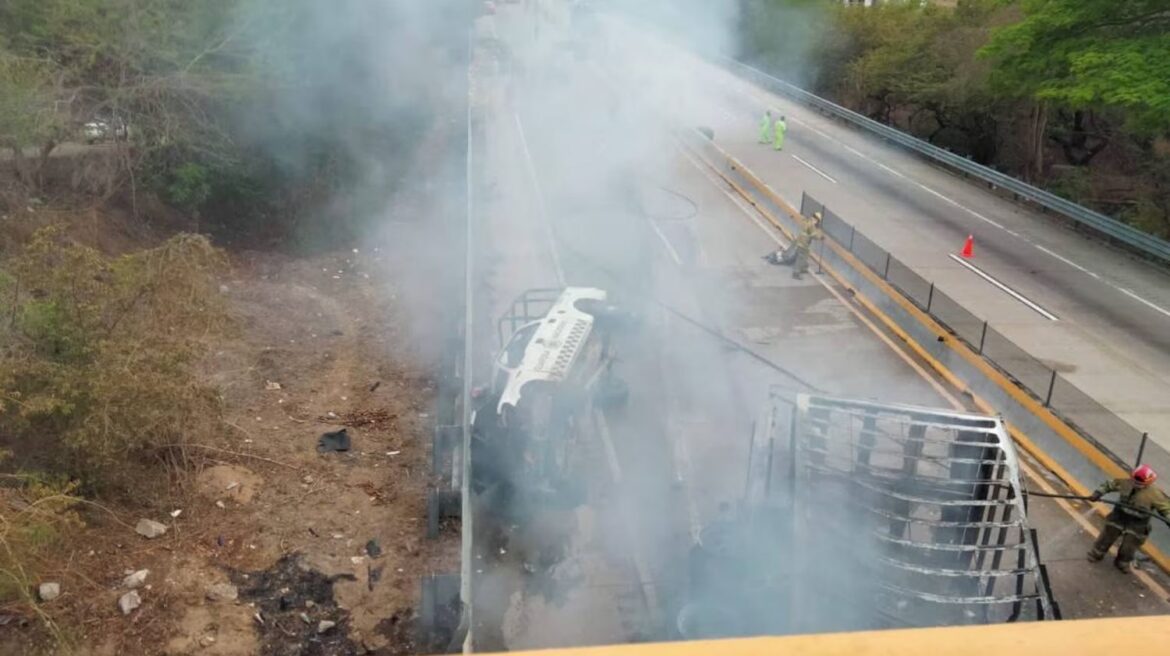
[796, 254]
[1130, 519]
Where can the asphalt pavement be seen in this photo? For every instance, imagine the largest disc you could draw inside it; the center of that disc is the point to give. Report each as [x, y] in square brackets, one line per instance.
[1098, 316]
[580, 191]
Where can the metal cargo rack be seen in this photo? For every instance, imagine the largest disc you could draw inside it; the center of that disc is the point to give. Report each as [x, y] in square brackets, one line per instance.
[900, 515]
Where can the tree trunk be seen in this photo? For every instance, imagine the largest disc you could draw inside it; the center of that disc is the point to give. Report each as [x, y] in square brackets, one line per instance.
[42, 162]
[1034, 168]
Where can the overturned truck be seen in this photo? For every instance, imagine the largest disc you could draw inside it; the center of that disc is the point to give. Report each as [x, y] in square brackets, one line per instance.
[554, 366]
[864, 515]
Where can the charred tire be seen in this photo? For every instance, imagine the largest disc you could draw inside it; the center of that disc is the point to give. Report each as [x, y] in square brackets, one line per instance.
[612, 393]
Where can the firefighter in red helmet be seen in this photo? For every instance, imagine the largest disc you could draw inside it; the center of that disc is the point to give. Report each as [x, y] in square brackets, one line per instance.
[1130, 520]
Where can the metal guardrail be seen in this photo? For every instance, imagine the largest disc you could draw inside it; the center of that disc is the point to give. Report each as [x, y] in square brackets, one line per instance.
[1110, 433]
[1147, 244]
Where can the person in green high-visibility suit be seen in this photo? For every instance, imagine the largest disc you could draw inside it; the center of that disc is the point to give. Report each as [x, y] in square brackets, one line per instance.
[766, 127]
[781, 128]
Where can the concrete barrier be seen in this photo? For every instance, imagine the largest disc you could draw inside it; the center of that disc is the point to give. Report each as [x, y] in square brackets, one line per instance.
[1057, 445]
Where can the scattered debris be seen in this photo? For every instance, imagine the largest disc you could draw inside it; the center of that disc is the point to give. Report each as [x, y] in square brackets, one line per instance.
[129, 601]
[150, 529]
[373, 549]
[49, 591]
[233, 485]
[220, 505]
[207, 641]
[373, 575]
[325, 625]
[335, 441]
[286, 594]
[135, 580]
[272, 386]
[175, 513]
[368, 418]
[222, 592]
[376, 385]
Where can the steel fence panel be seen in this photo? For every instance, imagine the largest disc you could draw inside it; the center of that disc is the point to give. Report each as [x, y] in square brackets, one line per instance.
[1094, 419]
[835, 228]
[954, 316]
[913, 286]
[1017, 363]
[810, 205]
[871, 254]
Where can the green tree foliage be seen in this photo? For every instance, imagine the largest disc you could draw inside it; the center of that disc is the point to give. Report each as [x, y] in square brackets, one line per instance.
[1090, 53]
[912, 65]
[282, 106]
[98, 368]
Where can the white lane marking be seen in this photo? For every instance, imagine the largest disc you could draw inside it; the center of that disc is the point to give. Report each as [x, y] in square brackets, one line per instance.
[611, 457]
[541, 206]
[815, 169]
[665, 242]
[1004, 288]
[770, 231]
[1067, 261]
[1144, 301]
[615, 470]
[887, 169]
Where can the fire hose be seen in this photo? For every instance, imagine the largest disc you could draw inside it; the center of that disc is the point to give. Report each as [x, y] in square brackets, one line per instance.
[1125, 506]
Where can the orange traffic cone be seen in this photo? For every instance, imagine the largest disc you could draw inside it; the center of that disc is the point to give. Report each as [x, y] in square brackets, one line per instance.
[968, 251]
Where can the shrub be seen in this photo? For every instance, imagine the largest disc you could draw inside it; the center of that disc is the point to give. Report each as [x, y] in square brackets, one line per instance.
[97, 375]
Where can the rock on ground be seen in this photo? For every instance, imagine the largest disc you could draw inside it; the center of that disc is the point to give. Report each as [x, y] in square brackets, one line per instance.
[135, 580]
[222, 592]
[129, 601]
[49, 591]
[150, 529]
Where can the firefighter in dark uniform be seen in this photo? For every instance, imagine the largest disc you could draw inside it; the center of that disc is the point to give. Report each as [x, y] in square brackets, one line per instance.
[1131, 520]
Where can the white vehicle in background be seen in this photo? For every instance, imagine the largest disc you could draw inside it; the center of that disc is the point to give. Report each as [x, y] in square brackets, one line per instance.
[105, 129]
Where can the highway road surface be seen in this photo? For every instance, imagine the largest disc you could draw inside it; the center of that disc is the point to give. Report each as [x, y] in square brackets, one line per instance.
[1098, 316]
[584, 185]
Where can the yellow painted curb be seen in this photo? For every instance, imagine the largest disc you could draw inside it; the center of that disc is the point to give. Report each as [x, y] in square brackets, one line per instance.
[1026, 400]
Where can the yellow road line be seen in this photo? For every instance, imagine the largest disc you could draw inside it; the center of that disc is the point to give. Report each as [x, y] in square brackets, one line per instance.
[1155, 554]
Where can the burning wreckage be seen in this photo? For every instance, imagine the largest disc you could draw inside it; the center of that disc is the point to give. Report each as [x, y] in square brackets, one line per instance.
[862, 515]
[554, 370]
[856, 514]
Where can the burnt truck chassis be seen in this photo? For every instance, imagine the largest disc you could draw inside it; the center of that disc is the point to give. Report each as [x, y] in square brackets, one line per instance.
[861, 515]
[526, 449]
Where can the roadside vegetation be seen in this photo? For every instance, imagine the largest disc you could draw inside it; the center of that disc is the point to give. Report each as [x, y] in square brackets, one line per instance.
[243, 114]
[147, 148]
[1071, 95]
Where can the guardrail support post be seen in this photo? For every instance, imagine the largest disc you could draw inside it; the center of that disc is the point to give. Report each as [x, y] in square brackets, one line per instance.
[983, 338]
[1141, 449]
[1051, 384]
[930, 297]
[886, 273]
[852, 231]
